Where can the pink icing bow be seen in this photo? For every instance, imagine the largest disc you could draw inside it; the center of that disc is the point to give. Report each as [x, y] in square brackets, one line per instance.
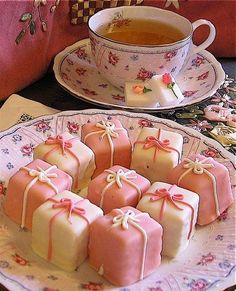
[60, 141]
[69, 206]
[160, 145]
[64, 145]
[164, 194]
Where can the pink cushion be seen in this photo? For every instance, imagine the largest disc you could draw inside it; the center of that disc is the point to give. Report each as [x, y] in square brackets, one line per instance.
[26, 62]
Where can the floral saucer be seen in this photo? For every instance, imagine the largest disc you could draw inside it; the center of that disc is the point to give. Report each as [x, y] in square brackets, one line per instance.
[75, 71]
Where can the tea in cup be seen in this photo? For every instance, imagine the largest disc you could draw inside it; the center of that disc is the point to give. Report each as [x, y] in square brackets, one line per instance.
[133, 43]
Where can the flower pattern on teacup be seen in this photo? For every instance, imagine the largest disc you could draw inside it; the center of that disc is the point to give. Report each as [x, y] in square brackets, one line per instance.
[144, 74]
[169, 55]
[113, 58]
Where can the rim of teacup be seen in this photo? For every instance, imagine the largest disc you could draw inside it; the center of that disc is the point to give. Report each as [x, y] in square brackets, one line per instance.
[140, 45]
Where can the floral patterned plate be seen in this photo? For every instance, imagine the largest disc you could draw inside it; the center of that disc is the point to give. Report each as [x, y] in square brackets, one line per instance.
[208, 263]
[77, 73]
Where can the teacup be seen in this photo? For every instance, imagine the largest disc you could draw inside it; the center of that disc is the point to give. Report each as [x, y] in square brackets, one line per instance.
[120, 62]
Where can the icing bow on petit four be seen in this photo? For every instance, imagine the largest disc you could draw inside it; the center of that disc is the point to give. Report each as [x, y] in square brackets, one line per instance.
[128, 217]
[200, 167]
[158, 144]
[64, 144]
[68, 206]
[39, 175]
[123, 220]
[107, 129]
[173, 199]
[117, 177]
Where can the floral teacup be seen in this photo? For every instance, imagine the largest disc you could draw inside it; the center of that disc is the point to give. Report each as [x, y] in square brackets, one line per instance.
[120, 62]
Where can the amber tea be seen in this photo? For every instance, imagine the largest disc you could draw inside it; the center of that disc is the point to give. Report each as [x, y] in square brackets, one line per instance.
[141, 32]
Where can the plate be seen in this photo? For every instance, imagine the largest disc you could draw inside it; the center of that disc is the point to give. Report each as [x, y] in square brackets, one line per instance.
[76, 72]
[208, 263]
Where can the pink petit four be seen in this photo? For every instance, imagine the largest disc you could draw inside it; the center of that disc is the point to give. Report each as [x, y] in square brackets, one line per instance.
[125, 245]
[30, 187]
[156, 152]
[210, 180]
[70, 155]
[60, 231]
[117, 187]
[109, 142]
[176, 210]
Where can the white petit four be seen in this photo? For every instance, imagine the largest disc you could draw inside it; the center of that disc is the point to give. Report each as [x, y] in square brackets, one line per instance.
[60, 230]
[156, 152]
[165, 89]
[176, 210]
[139, 94]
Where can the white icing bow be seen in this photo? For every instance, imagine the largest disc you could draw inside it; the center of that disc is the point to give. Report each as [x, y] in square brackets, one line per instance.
[198, 167]
[108, 129]
[42, 175]
[117, 177]
[123, 220]
[39, 175]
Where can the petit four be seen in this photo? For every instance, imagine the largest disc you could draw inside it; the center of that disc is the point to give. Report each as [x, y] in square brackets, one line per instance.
[117, 187]
[210, 180]
[70, 155]
[156, 152]
[165, 89]
[110, 143]
[60, 230]
[30, 187]
[138, 94]
[176, 210]
[125, 245]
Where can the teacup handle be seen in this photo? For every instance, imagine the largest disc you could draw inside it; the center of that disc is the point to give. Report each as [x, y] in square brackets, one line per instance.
[210, 38]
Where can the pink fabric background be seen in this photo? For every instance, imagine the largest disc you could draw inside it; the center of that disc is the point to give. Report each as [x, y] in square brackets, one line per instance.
[22, 64]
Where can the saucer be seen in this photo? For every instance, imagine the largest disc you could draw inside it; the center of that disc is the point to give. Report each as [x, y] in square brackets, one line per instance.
[76, 71]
